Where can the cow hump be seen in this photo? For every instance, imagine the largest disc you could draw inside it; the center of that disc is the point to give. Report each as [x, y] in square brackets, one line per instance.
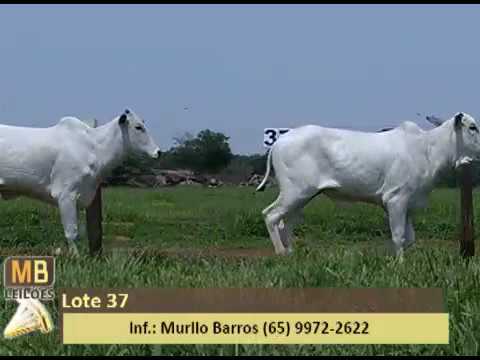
[411, 127]
[71, 122]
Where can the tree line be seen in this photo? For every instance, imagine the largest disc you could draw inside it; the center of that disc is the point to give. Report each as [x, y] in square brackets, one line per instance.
[209, 153]
[206, 153]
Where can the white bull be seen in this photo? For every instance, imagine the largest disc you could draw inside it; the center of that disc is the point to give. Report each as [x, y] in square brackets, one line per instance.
[64, 164]
[395, 169]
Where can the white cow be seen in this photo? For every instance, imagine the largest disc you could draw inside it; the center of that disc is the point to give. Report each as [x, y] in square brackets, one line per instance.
[395, 169]
[64, 164]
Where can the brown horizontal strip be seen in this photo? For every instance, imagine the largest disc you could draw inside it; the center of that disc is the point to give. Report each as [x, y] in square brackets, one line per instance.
[261, 300]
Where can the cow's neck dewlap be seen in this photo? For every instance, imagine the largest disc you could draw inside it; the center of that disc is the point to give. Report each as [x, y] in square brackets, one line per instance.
[442, 147]
[110, 146]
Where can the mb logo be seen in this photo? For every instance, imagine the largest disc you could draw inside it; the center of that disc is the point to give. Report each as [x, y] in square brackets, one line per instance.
[29, 277]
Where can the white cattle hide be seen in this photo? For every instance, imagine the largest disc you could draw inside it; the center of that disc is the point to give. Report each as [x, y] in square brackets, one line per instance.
[64, 164]
[394, 169]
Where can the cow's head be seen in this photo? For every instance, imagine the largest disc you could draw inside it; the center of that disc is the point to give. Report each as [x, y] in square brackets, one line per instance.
[468, 137]
[136, 134]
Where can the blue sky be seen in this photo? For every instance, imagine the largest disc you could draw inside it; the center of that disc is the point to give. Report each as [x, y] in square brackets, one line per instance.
[238, 68]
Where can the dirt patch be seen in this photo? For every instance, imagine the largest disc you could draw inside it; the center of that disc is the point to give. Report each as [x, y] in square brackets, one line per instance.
[121, 238]
[206, 252]
[162, 203]
[241, 252]
[116, 223]
[121, 246]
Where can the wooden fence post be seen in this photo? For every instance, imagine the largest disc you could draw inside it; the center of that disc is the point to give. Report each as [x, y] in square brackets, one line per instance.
[94, 218]
[467, 244]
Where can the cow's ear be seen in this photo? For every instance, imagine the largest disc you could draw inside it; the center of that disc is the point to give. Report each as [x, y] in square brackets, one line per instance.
[435, 120]
[122, 119]
[458, 120]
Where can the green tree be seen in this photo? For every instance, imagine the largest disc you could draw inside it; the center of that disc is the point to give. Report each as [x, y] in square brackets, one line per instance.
[209, 151]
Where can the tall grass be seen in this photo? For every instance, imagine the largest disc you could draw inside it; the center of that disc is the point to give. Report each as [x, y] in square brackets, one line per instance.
[338, 247]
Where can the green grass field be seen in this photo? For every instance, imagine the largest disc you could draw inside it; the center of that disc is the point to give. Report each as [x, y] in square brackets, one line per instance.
[338, 246]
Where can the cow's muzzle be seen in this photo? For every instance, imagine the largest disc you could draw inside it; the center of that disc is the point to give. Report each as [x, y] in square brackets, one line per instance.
[156, 154]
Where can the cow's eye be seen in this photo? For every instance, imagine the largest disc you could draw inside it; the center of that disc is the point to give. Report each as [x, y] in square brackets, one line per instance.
[138, 127]
[473, 128]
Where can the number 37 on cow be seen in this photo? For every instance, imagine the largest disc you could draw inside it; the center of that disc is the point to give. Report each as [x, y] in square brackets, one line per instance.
[271, 135]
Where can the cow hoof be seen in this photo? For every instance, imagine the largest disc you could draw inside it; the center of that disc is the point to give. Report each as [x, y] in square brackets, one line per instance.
[73, 252]
[282, 252]
[397, 258]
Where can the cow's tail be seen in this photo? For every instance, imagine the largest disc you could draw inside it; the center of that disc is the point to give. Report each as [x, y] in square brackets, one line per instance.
[261, 187]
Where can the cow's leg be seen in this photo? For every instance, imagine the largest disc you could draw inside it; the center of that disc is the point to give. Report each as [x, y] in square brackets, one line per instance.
[287, 226]
[285, 230]
[270, 207]
[397, 214]
[271, 221]
[409, 232]
[68, 213]
[289, 202]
